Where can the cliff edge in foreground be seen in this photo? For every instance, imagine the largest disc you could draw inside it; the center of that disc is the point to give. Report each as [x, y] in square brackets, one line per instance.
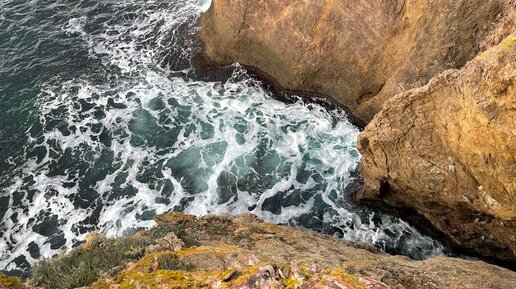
[244, 252]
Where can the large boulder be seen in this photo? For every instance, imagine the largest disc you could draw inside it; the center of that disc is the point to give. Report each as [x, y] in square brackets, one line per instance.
[358, 53]
[448, 150]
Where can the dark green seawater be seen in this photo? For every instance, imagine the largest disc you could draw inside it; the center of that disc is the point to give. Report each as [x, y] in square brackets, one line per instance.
[105, 123]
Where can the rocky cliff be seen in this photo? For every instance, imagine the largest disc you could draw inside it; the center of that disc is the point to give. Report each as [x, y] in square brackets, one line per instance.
[358, 53]
[244, 252]
[448, 150]
[445, 151]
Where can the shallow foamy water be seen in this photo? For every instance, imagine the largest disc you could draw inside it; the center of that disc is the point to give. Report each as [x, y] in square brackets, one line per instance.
[105, 126]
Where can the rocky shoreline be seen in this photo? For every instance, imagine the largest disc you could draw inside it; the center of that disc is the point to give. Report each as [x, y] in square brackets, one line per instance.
[441, 154]
[432, 84]
[453, 142]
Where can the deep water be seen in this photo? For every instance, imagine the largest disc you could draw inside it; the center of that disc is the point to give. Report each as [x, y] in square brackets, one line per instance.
[104, 124]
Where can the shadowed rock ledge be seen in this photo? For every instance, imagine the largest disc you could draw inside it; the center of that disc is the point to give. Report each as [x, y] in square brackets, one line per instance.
[244, 252]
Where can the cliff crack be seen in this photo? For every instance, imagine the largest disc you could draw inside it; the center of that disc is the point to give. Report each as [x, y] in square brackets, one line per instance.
[243, 24]
[319, 37]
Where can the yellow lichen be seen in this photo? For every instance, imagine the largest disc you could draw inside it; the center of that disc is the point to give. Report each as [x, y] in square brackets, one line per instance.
[506, 45]
[161, 279]
[357, 262]
[291, 283]
[156, 279]
[145, 274]
[509, 42]
[348, 278]
[8, 281]
[102, 284]
[216, 250]
[178, 269]
[247, 273]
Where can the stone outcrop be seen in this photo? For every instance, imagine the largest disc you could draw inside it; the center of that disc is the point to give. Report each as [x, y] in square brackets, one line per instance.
[448, 150]
[223, 251]
[358, 53]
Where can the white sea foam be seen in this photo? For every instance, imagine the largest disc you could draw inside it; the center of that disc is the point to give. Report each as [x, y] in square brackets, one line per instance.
[179, 143]
[204, 5]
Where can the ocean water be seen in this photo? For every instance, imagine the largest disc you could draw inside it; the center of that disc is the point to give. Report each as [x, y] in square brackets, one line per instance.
[104, 123]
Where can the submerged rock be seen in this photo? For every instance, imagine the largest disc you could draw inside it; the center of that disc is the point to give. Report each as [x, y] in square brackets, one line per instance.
[244, 252]
[448, 150]
[359, 53]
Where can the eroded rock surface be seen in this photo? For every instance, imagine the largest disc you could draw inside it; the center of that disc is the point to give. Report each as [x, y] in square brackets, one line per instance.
[223, 251]
[359, 53]
[448, 150]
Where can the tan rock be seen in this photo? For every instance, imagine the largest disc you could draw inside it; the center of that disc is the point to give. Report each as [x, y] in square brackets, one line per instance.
[168, 243]
[359, 53]
[448, 150]
[172, 242]
[254, 254]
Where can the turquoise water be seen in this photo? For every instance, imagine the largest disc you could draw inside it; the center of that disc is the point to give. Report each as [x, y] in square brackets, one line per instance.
[105, 123]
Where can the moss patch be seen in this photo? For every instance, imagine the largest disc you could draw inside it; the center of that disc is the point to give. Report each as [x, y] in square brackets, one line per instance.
[9, 282]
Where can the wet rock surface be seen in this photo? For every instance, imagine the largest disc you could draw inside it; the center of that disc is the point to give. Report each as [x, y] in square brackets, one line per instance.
[223, 251]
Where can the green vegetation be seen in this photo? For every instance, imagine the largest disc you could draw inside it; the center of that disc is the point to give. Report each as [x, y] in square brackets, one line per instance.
[171, 262]
[83, 266]
[217, 229]
[101, 257]
[151, 259]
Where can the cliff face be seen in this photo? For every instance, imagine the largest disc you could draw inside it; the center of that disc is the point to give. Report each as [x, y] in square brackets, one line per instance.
[359, 53]
[448, 150]
[244, 252]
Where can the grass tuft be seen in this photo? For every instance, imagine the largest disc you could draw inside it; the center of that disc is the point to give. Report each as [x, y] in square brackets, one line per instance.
[171, 262]
[102, 258]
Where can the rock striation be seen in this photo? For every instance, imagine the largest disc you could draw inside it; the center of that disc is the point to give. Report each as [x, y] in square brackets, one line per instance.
[358, 53]
[448, 150]
[223, 251]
